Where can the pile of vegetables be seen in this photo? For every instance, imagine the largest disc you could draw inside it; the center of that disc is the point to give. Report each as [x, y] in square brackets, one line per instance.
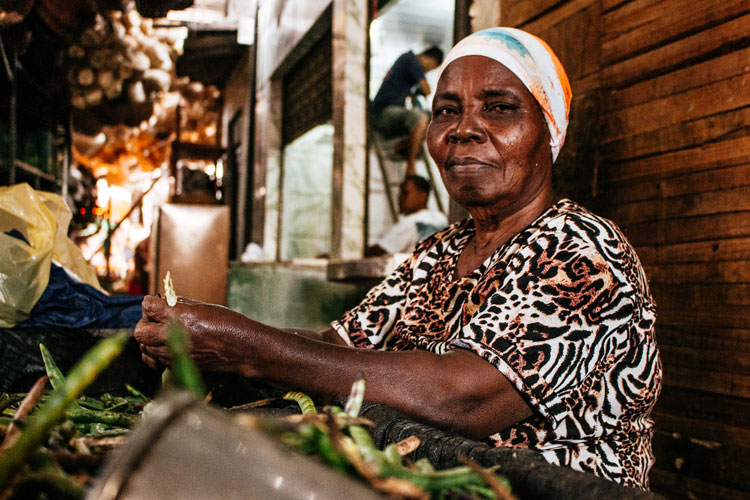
[46, 436]
[54, 442]
[338, 437]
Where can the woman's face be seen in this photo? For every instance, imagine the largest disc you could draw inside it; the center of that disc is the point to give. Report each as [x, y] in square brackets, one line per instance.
[488, 135]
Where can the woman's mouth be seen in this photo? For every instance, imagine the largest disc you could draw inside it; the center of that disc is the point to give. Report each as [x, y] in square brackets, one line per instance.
[466, 163]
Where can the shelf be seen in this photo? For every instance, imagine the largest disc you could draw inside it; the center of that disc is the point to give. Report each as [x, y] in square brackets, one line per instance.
[182, 150]
[371, 268]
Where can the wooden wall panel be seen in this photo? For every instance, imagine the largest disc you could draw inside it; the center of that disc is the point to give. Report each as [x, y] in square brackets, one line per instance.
[729, 125]
[724, 95]
[713, 155]
[678, 185]
[519, 12]
[675, 175]
[694, 76]
[701, 45]
[732, 249]
[667, 83]
[641, 25]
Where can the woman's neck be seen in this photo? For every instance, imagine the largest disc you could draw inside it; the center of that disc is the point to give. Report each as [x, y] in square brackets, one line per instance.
[504, 223]
[494, 228]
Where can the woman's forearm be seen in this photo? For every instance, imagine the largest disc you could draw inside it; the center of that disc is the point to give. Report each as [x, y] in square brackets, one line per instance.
[458, 391]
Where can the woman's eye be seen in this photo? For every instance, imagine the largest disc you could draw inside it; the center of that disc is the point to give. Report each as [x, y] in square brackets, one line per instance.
[500, 106]
[444, 111]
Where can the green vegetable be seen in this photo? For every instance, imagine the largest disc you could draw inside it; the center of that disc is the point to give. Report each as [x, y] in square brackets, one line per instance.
[306, 405]
[52, 410]
[348, 446]
[136, 393]
[83, 415]
[56, 377]
[183, 370]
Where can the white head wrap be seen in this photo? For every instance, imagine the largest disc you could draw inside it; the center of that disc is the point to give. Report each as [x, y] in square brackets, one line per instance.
[534, 63]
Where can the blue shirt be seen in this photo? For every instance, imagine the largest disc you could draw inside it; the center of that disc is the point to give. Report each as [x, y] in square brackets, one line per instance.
[406, 72]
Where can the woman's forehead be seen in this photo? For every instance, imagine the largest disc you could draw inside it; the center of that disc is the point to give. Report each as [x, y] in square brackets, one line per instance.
[477, 71]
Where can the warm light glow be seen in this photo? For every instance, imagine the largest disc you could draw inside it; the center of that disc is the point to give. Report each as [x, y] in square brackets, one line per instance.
[102, 192]
[210, 169]
[220, 169]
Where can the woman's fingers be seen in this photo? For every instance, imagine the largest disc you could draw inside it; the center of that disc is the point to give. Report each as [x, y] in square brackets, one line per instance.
[149, 333]
[156, 309]
[151, 362]
[156, 357]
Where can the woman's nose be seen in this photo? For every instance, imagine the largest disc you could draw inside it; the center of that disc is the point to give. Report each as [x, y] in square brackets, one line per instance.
[466, 128]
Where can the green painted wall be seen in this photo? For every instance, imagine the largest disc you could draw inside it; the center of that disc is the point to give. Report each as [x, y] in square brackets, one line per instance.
[286, 296]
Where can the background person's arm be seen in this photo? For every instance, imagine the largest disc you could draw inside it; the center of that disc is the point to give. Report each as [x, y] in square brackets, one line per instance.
[424, 86]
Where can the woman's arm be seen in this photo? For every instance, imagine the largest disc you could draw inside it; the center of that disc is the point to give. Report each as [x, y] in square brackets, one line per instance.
[330, 336]
[458, 391]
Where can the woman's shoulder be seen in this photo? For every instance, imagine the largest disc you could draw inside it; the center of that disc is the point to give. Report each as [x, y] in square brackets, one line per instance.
[577, 222]
[584, 231]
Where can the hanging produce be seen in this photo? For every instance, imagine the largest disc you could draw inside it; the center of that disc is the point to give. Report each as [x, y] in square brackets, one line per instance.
[121, 60]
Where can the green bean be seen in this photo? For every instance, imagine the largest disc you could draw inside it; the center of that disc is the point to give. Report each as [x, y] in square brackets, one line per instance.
[306, 404]
[51, 411]
[136, 393]
[56, 377]
[100, 430]
[82, 415]
[90, 403]
[185, 372]
[121, 407]
[114, 403]
[107, 399]
[317, 439]
[364, 443]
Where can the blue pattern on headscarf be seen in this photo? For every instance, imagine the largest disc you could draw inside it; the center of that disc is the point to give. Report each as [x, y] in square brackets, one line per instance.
[504, 37]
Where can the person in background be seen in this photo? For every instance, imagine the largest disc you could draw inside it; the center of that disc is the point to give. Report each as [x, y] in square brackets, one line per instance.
[416, 221]
[390, 116]
[138, 280]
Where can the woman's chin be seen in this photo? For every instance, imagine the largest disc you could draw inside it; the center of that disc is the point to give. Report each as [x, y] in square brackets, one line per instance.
[468, 195]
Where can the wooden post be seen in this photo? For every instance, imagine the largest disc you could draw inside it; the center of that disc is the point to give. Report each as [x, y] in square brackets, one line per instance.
[350, 35]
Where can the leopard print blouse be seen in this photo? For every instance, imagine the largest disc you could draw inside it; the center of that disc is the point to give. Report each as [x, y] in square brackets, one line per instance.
[562, 310]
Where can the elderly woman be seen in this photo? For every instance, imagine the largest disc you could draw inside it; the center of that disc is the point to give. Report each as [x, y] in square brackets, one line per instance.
[529, 324]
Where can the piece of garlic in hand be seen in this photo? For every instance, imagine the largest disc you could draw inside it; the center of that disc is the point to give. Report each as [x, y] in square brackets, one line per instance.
[169, 290]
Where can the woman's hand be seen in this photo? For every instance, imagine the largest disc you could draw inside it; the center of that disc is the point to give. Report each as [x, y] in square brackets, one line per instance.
[216, 333]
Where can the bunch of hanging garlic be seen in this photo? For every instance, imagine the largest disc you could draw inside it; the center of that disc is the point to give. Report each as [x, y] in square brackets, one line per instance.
[121, 54]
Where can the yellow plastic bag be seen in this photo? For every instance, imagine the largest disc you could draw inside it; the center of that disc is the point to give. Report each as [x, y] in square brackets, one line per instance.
[42, 219]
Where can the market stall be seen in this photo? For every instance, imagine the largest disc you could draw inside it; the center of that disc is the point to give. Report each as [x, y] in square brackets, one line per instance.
[280, 446]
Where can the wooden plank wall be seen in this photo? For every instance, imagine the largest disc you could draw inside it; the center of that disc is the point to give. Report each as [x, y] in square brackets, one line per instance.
[661, 118]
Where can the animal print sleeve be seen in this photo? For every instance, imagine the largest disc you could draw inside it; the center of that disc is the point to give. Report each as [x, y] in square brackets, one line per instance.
[553, 319]
[370, 324]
